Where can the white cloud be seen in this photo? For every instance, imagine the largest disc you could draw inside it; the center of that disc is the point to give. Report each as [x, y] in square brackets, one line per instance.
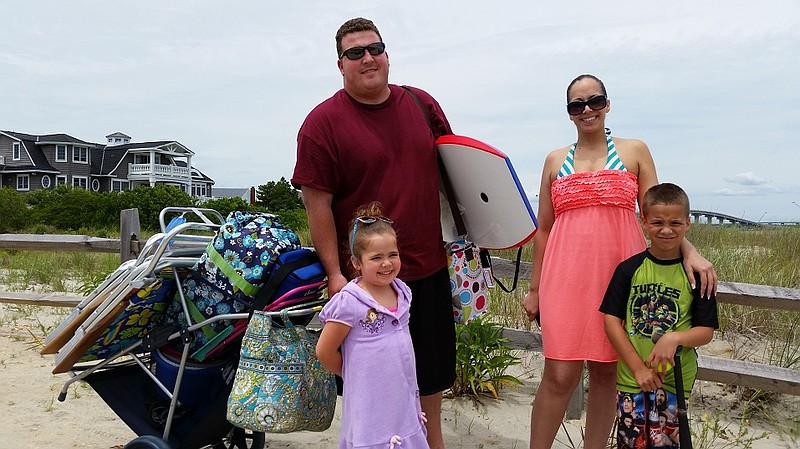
[747, 179]
[730, 192]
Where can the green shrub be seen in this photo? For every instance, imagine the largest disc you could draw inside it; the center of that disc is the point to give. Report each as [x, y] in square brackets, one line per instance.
[295, 219]
[482, 358]
[13, 212]
[64, 207]
[150, 201]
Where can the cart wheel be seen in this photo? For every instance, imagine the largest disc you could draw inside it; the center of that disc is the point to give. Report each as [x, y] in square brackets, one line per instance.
[147, 442]
[244, 439]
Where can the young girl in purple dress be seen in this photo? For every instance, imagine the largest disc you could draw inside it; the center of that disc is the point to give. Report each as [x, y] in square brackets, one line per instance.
[368, 319]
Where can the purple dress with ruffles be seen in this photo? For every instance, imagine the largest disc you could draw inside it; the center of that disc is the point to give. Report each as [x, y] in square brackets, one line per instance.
[380, 399]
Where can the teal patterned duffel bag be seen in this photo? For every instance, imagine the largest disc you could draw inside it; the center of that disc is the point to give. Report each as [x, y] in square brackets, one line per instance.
[280, 385]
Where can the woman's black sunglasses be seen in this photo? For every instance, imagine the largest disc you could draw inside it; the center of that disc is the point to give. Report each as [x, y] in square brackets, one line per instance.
[595, 103]
[354, 53]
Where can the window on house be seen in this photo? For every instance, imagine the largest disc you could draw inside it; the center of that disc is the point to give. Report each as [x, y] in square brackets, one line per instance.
[61, 153]
[15, 152]
[80, 182]
[23, 182]
[80, 155]
[199, 190]
[60, 180]
[119, 186]
[141, 158]
[95, 185]
[46, 181]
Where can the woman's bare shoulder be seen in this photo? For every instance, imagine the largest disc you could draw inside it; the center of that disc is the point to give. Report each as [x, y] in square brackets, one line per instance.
[557, 155]
[632, 147]
[554, 159]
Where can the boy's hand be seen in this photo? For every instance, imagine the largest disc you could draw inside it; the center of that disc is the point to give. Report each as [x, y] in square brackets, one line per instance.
[648, 379]
[662, 357]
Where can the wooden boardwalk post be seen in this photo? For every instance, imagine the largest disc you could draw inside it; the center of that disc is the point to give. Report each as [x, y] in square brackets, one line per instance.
[129, 231]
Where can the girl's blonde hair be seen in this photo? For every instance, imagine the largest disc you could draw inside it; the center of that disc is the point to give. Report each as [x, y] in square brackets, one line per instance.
[368, 222]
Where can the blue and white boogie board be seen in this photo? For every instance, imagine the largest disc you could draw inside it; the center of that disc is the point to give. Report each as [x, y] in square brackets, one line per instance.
[492, 201]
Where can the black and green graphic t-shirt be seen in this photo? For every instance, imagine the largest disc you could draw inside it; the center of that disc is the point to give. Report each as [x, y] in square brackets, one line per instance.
[654, 296]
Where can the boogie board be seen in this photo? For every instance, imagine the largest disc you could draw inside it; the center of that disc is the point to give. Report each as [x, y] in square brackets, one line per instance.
[492, 202]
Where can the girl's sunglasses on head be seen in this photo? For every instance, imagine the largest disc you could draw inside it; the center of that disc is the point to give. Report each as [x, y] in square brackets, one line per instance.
[370, 220]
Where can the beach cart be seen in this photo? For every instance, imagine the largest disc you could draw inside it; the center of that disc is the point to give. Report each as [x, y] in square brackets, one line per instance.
[127, 341]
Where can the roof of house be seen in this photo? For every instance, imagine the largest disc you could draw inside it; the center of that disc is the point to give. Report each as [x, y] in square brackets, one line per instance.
[232, 192]
[40, 162]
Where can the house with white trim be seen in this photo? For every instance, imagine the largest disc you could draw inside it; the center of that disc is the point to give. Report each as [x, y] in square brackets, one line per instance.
[30, 162]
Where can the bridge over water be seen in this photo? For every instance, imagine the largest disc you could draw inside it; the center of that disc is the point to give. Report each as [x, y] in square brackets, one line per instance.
[708, 217]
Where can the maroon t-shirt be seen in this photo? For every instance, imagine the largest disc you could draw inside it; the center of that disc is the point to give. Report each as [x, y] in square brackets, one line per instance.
[362, 153]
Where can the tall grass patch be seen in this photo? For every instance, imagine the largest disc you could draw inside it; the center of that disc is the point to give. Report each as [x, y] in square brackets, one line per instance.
[52, 271]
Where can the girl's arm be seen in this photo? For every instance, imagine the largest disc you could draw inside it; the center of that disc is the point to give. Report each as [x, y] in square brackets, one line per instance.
[333, 334]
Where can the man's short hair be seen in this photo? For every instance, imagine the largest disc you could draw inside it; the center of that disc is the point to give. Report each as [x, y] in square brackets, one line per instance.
[354, 26]
[667, 194]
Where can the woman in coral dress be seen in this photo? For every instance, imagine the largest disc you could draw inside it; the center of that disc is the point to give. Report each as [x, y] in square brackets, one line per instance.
[587, 225]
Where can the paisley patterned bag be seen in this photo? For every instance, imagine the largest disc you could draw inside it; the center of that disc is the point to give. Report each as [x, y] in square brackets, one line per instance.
[280, 385]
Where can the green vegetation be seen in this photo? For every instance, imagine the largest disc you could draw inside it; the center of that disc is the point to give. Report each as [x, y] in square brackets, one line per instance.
[279, 196]
[69, 210]
[13, 212]
[482, 358]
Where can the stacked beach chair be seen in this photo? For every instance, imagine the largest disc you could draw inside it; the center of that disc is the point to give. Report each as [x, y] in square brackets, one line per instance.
[159, 338]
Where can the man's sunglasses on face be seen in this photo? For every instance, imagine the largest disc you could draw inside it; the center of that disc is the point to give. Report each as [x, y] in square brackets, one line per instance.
[355, 53]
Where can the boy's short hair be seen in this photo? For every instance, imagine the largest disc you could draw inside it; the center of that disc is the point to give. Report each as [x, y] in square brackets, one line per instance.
[665, 193]
[354, 26]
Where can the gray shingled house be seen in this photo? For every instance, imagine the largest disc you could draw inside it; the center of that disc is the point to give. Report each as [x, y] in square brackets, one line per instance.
[29, 162]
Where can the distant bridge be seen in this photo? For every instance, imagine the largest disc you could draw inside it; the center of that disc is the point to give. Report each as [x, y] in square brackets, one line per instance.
[721, 218]
[709, 217]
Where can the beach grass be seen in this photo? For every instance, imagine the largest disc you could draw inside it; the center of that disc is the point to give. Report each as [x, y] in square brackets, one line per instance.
[768, 255]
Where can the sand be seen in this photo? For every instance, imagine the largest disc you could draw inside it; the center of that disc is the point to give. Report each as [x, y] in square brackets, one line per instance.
[32, 417]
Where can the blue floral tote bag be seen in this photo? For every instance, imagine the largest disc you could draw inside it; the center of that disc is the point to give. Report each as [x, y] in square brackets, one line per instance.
[280, 385]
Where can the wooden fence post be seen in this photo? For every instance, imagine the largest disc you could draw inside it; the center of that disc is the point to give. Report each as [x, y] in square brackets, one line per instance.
[129, 230]
[575, 406]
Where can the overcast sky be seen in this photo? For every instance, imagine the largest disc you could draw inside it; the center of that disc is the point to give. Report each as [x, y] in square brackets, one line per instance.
[710, 86]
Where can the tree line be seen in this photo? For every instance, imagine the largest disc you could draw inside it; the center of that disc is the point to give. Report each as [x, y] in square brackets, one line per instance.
[68, 209]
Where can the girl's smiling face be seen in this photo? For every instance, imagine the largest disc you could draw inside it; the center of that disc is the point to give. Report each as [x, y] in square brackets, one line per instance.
[379, 263]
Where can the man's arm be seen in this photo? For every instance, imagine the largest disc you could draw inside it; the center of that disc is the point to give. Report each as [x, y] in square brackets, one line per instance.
[323, 235]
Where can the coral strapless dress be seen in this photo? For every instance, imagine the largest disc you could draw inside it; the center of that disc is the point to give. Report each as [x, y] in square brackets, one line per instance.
[595, 229]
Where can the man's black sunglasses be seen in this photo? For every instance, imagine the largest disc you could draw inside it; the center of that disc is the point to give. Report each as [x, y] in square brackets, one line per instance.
[595, 103]
[355, 53]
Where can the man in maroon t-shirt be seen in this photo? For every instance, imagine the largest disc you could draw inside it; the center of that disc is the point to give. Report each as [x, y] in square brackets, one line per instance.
[371, 141]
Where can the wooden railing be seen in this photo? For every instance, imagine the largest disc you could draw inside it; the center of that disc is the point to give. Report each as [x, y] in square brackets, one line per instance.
[715, 369]
[734, 372]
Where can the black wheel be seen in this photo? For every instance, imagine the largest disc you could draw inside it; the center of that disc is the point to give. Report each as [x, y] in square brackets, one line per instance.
[147, 442]
[243, 439]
